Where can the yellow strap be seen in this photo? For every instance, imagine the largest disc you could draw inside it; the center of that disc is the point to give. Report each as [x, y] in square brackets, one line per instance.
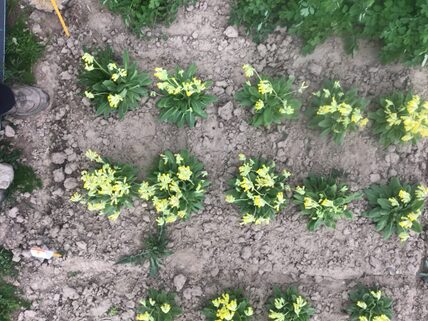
[60, 18]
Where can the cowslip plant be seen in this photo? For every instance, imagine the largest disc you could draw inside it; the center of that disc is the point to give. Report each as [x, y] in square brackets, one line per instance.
[112, 87]
[10, 301]
[108, 188]
[289, 305]
[176, 186]
[401, 118]
[155, 249]
[258, 190]
[184, 96]
[324, 200]
[367, 304]
[336, 111]
[230, 306]
[396, 207]
[271, 100]
[158, 306]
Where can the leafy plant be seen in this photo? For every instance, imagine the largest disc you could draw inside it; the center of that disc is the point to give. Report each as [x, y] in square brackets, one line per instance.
[22, 48]
[145, 13]
[289, 305]
[25, 179]
[271, 100]
[7, 266]
[155, 249]
[401, 118]
[10, 301]
[259, 17]
[324, 200]
[108, 188]
[183, 96]
[158, 306]
[336, 112]
[230, 305]
[176, 186]
[258, 190]
[396, 208]
[111, 87]
[369, 305]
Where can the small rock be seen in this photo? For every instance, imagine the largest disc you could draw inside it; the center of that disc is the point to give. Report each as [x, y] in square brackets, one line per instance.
[69, 293]
[6, 175]
[179, 281]
[192, 292]
[231, 32]
[262, 50]
[195, 35]
[13, 212]
[58, 175]
[58, 158]
[70, 183]
[226, 112]
[374, 178]
[81, 245]
[315, 69]
[9, 131]
[246, 253]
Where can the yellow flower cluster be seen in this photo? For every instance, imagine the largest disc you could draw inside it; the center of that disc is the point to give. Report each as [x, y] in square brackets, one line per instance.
[227, 308]
[89, 61]
[347, 114]
[279, 303]
[103, 188]
[146, 316]
[382, 317]
[414, 117]
[362, 305]
[116, 71]
[114, 100]
[174, 87]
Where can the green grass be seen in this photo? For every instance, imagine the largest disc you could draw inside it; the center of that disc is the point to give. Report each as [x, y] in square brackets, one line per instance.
[7, 267]
[25, 179]
[23, 48]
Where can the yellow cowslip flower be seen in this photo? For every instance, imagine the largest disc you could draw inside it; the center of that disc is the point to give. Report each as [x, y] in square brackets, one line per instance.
[327, 93]
[362, 305]
[262, 220]
[114, 100]
[115, 77]
[161, 74]
[279, 303]
[286, 109]
[174, 201]
[181, 214]
[88, 58]
[230, 199]
[246, 184]
[356, 116]
[265, 87]
[144, 317]
[326, 109]
[393, 201]
[363, 122]
[248, 70]
[188, 88]
[382, 317]
[216, 302]
[111, 66]
[225, 298]
[248, 219]
[232, 305]
[406, 223]
[178, 158]
[300, 190]
[161, 205]
[404, 196]
[421, 192]
[123, 72]
[298, 305]
[164, 180]
[376, 294]
[280, 197]
[392, 119]
[259, 105]
[160, 221]
[89, 67]
[184, 173]
[412, 216]
[225, 314]
[146, 191]
[266, 181]
[249, 311]
[89, 95]
[362, 318]
[336, 84]
[344, 109]
[245, 169]
[403, 236]
[114, 216]
[93, 156]
[165, 308]
[286, 173]
[413, 104]
[406, 138]
[259, 201]
[309, 203]
[263, 171]
[96, 206]
[327, 203]
[242, 157]
[276, 316]
[76, 197]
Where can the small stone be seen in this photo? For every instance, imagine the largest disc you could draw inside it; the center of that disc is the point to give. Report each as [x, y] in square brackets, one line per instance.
[315, 69]
[179, 281]
[195, 35]
[13, 212]
[192, 292]
[262, 50]
[81, 245]
[246, 253]
[374, 178]
[69, 293]
[226, 112]
[58, 175]
[70, 183]
[9, 131]
[6, 175]
[231, 32]
[58, 158]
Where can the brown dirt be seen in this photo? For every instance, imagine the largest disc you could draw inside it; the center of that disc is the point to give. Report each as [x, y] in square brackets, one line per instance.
[211, 250]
